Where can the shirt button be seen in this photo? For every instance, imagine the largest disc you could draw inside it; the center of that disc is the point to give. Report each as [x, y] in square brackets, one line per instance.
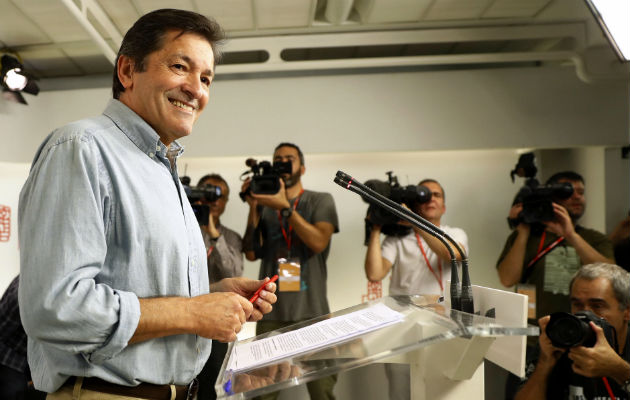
[151, 155]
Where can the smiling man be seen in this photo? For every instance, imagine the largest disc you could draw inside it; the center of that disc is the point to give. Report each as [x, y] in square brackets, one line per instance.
[114, 291]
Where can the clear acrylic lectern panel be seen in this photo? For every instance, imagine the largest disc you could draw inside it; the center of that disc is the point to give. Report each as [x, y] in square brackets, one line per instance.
[422, 325]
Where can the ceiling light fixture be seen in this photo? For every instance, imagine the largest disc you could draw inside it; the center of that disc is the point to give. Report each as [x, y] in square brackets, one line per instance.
[613, 16]
[14, 80]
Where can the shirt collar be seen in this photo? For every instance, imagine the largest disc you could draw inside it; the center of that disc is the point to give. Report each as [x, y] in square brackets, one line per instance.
[138, 130]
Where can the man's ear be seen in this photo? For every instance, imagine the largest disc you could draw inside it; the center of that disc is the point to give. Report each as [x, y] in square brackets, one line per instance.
[626, 314]
[125, 70]
[302, 169]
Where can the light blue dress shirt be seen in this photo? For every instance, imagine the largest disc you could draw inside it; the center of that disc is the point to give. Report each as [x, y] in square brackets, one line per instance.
[103, 221]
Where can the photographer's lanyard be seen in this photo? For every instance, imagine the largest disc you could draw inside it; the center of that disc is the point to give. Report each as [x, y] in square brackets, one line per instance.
[426, 259]
[542, 252]
[287, 237]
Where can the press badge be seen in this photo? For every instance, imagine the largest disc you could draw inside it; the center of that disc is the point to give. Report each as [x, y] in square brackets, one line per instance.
[530, 292]
[289, 275]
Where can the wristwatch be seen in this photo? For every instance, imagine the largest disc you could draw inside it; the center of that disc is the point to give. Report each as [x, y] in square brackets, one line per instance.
[286, 212]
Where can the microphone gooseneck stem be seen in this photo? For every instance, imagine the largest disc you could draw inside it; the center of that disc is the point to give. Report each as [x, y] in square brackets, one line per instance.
[461, 298]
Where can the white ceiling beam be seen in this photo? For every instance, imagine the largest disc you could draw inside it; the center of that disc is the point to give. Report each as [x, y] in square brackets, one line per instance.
[576, 31]
[81, 14]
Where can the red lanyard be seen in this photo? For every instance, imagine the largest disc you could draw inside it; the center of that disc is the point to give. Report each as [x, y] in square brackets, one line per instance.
[210, 251]
[424, 254]
[287, 237]
[542, 252]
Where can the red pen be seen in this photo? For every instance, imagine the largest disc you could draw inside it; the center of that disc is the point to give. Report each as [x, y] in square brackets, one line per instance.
[255, 296]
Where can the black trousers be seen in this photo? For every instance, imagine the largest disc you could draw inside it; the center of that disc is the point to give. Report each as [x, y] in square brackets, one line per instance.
[14, 385]
[208, 375]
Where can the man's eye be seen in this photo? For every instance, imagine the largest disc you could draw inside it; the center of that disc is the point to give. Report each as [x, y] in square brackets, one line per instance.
[205, 81]
[178, 66]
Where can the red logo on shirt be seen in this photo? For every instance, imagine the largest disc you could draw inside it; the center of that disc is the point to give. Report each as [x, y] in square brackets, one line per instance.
[5, 223]
[375, 291]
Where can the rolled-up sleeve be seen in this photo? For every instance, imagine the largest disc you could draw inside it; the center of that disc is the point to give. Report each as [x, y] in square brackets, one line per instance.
[64, 214]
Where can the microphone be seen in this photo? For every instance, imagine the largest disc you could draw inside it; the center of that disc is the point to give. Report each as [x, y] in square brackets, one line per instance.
[461, 298]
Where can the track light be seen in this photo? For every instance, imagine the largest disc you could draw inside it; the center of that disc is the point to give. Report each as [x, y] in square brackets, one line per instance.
[15, 80]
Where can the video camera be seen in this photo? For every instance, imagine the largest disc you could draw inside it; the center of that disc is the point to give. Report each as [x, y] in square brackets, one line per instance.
[265, 176]
[210, 193]
[569, 330]
[410, 195]
[537, 199]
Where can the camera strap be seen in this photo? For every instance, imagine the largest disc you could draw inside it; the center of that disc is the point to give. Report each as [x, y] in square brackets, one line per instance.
[287, 235]
[542, 252]
[426, 259]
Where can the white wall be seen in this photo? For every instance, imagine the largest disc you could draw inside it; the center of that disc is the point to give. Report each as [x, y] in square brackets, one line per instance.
[12, 176]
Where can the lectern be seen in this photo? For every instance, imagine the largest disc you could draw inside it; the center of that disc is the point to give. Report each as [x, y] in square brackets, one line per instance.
[444, 348]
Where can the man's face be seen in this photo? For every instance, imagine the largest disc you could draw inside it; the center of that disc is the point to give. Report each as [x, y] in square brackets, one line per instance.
[217, 207]
[287, 153]
[575, 204]
[435, 208]
[598, 296]
[173, 90]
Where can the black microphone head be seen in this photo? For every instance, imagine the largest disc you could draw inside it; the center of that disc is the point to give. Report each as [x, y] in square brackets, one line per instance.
[250, 162]
[344, 176]
[340, 181]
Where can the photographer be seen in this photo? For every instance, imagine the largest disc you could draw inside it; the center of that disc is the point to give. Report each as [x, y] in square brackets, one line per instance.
[290, 231]
[419, 262]
[544, 256]
[224, 248]
[223, 245]
[576, 373]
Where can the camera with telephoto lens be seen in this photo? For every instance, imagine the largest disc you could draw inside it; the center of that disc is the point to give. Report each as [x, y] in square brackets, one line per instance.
[208, 192]
[265, 176]
[537, 199]
[569, 330]
[410, 195]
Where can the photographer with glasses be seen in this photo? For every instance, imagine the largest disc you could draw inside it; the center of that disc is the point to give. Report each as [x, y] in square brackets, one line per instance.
[419, 264]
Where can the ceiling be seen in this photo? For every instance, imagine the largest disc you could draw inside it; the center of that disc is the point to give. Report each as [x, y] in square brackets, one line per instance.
[76, 38]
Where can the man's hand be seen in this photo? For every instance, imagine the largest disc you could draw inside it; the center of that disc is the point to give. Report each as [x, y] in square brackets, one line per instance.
[211, 229]
[536, 386]
[220, 316]
[549, 354]
[252, 202]
[277, 201]
[599, 360]
[515, 211]
[264, 376]
[562, 225]
[246, 288]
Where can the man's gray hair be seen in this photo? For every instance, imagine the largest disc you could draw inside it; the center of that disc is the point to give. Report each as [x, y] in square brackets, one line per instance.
[617, 276]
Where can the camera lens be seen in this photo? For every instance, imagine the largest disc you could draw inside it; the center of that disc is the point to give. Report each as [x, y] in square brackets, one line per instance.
[566, 330]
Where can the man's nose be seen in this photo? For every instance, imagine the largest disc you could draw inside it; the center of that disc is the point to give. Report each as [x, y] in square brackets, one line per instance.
[194, 87]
